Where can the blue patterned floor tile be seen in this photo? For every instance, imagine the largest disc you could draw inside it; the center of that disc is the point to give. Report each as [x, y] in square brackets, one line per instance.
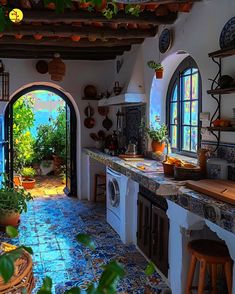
[50, 227]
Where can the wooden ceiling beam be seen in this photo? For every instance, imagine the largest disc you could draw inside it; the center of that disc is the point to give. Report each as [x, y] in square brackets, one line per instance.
[146, 17]
[49, 55]
[83, 31]
[27, 48]
[67, 42]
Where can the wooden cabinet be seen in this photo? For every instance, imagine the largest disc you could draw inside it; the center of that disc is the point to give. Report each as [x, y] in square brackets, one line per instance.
[144, 223]
[153, 232]
[159, 239]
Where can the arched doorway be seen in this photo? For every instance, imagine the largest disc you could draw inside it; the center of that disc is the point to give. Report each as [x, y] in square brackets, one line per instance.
[72, 171]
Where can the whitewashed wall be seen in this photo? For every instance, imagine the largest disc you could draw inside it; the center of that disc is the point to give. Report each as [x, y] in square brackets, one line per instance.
[197, 33]
[78, 75]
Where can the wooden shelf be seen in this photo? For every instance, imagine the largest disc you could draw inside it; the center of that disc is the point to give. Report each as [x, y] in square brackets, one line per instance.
[223, 53]
[222, 91]
[221, 129]
[91, 98]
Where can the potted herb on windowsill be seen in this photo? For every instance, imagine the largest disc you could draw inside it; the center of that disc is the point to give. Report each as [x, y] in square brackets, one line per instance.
[13, 201]
[28, 173]
[159, 137]
[157, 67]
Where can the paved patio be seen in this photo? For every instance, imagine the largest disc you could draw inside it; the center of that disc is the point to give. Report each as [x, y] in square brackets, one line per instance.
[47, 186]
[50, 227]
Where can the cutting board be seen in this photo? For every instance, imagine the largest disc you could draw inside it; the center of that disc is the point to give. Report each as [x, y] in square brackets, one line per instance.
[133, 159]
[219, 189]
[147, 166]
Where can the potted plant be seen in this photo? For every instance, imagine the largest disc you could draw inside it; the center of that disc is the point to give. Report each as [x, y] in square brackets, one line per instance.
[157, 67]
[28, 173]
[159, 136]
[13, 201]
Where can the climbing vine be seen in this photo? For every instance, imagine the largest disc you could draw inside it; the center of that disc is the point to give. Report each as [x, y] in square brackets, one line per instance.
[108, 8]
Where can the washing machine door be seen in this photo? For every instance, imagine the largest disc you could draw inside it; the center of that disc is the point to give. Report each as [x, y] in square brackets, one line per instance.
[114, 193]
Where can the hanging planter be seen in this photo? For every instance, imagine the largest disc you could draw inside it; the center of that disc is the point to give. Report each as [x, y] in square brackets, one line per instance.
[75, 38]
[157, 67]
[37, 37]
[18, 36]
[56, 68]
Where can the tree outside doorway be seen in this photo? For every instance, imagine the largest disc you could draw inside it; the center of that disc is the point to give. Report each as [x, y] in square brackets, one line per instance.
[39, 142]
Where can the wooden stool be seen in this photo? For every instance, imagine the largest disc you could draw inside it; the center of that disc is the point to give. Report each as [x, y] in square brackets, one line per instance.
[209, 253]
[99, 177]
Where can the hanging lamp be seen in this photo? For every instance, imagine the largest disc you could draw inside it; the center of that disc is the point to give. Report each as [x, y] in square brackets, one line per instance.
[56, 68]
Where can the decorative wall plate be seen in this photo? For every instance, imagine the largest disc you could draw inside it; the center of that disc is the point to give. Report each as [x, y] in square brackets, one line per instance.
[227, 36]
[165, 41]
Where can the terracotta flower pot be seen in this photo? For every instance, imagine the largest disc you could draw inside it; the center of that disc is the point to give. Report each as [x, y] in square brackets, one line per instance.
[28, 183]
[10, 218]
[159, 73]
[18, 36]
[158, 146]
[37, 37]
[75, 38]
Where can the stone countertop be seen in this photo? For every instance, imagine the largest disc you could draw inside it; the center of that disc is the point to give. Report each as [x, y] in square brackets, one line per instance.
[218, 212]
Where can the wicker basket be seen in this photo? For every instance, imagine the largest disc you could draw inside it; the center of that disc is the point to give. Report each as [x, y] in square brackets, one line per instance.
[23, 275]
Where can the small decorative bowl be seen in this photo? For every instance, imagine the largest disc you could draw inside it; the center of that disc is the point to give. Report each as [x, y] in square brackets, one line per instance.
[168, 169]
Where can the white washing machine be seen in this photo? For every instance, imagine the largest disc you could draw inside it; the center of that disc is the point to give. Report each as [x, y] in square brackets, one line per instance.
[115, 197]
[121, 199]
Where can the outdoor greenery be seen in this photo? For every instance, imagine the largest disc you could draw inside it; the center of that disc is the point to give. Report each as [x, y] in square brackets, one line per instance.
[108, 8]
[50, 139]
[13, 200]
[159, 134]
[28, 172]
[22, 138]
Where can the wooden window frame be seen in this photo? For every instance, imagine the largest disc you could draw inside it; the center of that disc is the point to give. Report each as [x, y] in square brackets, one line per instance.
[186, 64]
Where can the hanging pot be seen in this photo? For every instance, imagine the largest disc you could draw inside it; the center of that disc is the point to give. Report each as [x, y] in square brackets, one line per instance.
[117, 89]
[56, 68]
[38, 36]
[42, 67]
[103, 110]
[107, 123]
[75, 38]
[89, 122]
[159, 73]
[89, 111]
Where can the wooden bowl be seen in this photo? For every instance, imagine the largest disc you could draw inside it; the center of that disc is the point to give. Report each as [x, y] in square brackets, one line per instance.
[182, 173]
[168, 169]
[90, 91]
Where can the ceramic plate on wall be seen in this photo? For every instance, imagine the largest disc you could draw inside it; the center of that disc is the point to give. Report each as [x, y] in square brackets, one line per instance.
[227, 36]
[165, 41]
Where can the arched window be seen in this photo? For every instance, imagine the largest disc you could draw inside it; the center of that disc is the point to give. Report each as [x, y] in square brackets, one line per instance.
[183, 108]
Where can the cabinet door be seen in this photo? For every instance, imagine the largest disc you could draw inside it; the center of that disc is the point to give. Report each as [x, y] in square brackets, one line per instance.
[144, 221]
[159, 239]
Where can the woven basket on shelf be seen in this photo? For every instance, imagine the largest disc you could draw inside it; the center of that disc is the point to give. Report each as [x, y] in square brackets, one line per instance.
[23, 275]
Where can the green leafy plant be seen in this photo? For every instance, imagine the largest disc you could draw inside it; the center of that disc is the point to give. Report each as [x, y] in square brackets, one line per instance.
[23, 120]
[159, 134]
[51, 138]
[28, 172]
[4, 19]
[7, 259]
[154, 65]
[133, 9]
[13, 200]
